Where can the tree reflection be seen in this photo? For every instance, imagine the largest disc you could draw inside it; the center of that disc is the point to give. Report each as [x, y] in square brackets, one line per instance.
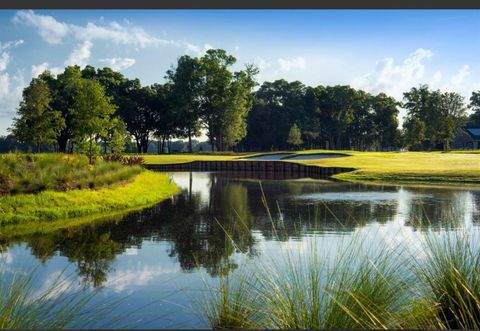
[212, 220]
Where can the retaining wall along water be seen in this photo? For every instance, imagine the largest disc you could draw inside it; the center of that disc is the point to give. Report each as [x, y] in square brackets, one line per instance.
[287, 169]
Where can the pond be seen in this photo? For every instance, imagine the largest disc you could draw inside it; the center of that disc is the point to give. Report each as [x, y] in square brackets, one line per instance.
[159, 260]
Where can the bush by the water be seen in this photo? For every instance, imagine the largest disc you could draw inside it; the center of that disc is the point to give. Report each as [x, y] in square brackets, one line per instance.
[32, 173]
[131, 160]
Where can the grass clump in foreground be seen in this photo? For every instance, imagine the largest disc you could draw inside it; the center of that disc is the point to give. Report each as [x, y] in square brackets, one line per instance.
[146, 189]
[390, 289]
[32, 173]
[56, 307]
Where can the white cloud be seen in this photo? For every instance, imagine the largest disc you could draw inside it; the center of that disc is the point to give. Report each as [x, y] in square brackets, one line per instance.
[394, 79]
[136, 277]
[10, 44]
[4, 58]
[206, 47]
[118, 63]
[437, 77]
[262, 64]
[460, 76]
[54, 32]
[40, 68]
[195, 49]
[11, 87]
[80, 55]
[296, 63]
[48, 27]
[191, 48]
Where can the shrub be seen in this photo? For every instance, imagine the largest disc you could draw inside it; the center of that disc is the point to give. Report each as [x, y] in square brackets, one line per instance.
[28, 173]
[133, 160]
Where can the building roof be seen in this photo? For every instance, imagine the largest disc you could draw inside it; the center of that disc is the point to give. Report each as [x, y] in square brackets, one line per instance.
[473, 132]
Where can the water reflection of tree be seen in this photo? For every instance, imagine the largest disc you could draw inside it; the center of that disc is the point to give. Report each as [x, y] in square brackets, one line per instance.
[89, 247]
[210, 234]
[442, 210]
[207, 231]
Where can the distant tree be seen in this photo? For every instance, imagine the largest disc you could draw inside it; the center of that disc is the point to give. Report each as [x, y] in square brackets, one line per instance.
[414, 132]
[225, 98]
[36, 122]
[295, 136]
[424, 105]
[474, 118]
[64, 91]
[91, 115]
[277, 105]
[116, 136]
[385, 119]
[184, 98]
[454, 116]
[238, 107]
[169, 120]
[136, 109]
[337, 105]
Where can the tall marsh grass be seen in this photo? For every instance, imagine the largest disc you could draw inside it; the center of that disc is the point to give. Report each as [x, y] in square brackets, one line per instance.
[22, 307]
[32, 173]
[436, 286]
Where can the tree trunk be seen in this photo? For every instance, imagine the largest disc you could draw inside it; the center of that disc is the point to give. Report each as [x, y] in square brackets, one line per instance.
[190, 150]
[62, 144]
[90, 152]
[139, 146]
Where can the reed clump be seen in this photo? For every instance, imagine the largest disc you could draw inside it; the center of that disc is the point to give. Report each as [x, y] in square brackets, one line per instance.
[358, 288]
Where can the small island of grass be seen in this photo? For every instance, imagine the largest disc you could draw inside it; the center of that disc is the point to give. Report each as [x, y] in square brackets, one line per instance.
[52, 187]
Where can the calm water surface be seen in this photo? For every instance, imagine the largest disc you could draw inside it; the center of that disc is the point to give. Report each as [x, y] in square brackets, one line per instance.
[160, 259]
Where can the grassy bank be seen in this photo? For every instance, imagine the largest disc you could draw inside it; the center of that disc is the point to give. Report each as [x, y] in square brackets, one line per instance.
[379, 167]
[32, 173]
[406, 167]
[146, 189]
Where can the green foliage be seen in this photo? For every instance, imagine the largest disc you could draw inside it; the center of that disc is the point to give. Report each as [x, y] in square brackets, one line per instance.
[37, 122]
[414, 133]
[295, 136]
[225, 97]
[328, 116]
[442, 114]
[183, 100]
[474, 118]
[91, 114]
[116, 135]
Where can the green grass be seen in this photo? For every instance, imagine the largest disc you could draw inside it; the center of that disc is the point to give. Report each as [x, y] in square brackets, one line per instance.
[376, 167]
[146, 189]
[451, 276]
[32, 173]
[355, 290]
[356, 286]
[22, 307]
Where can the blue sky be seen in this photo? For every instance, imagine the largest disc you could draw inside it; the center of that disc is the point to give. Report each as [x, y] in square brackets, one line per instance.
[375, 50]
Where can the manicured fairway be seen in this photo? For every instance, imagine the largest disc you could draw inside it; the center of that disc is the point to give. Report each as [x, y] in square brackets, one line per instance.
[422, 167]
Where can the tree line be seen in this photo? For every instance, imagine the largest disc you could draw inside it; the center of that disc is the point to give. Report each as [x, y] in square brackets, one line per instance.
[89, 110]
